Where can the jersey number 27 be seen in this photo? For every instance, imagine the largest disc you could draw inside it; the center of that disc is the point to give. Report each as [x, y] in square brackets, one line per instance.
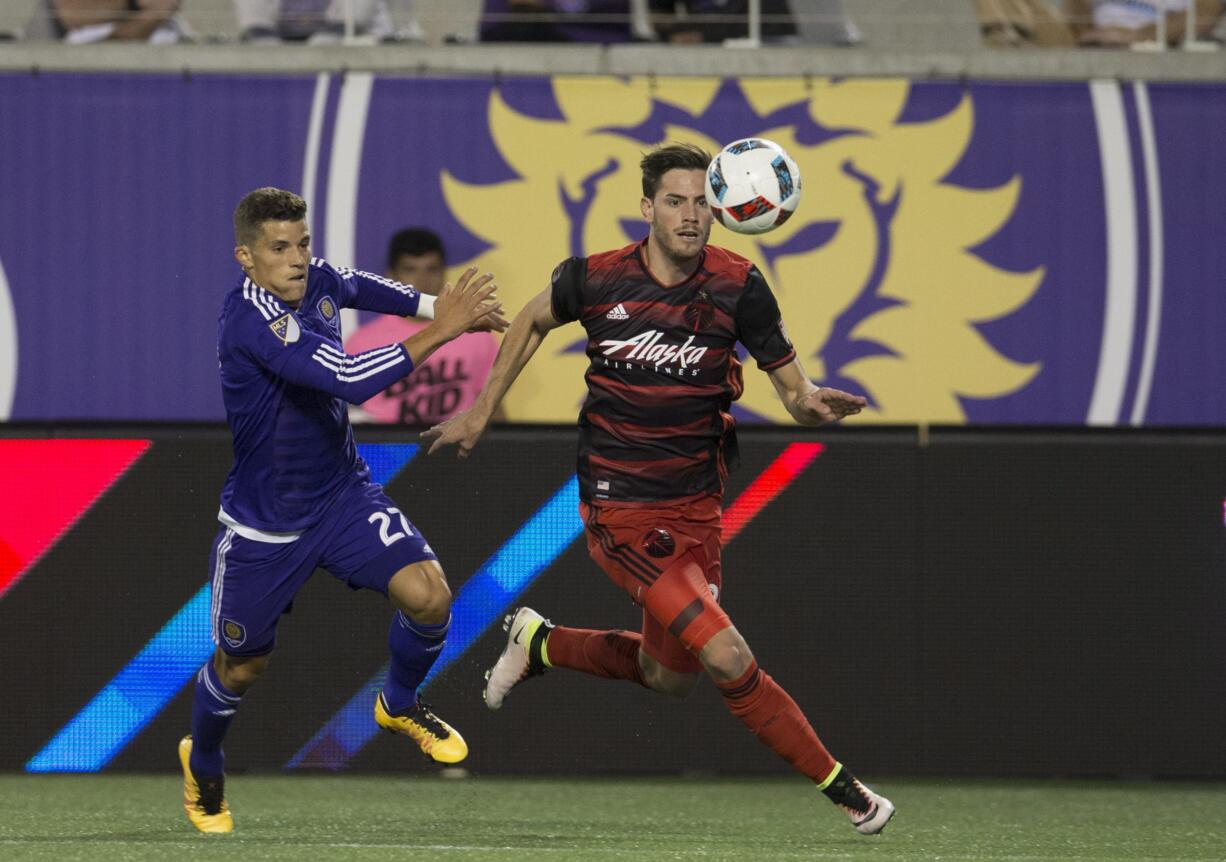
[384, 520]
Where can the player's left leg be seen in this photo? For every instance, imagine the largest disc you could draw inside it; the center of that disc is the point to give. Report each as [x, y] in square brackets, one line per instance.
[378, 548]
[418, 633]
[684, 605]
[770, 714]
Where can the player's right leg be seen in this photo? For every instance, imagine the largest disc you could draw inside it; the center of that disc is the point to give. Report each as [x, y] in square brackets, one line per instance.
[534, 645]
[615, 543]
[253, 583]
[523, 657]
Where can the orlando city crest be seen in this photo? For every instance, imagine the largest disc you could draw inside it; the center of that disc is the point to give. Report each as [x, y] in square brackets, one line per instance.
[233, 632]
[327, 309]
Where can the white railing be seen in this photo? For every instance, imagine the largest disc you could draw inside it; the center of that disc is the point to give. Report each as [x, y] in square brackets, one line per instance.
[894, 32]
[1191, 40]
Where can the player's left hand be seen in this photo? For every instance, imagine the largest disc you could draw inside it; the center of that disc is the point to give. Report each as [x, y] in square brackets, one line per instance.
[492, 322]
[463, 430]
[827, 405]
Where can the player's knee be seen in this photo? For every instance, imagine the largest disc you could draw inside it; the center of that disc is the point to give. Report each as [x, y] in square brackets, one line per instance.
[435, 609]
[421, 591]
[239, 673]
[660, 679]
[432, 604]
[675, 685]
[726, 656]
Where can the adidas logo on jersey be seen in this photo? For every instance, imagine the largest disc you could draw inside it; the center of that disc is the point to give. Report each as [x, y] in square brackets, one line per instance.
[618, 313]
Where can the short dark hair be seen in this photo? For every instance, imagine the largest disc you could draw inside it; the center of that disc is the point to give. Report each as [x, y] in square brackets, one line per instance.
[669, 157]
[266, 204]
[414, 241]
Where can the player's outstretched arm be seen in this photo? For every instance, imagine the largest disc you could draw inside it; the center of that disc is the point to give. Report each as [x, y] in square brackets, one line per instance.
[809, 404]
[527, 331]
[456, 310]
[369, 292]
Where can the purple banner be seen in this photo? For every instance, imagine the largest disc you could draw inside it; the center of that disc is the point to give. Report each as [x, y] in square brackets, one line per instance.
[982, 253]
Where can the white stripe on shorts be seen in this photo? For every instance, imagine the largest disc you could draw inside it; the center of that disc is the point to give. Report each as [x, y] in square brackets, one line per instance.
[219, 572]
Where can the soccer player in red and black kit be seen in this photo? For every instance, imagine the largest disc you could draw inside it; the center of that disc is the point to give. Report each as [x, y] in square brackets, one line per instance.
[656, 441]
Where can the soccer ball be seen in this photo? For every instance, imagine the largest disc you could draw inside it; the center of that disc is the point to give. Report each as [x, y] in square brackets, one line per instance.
[753, 186]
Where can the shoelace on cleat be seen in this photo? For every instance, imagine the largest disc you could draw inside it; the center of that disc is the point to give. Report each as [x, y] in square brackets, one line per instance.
[859, 817]
[424, 717]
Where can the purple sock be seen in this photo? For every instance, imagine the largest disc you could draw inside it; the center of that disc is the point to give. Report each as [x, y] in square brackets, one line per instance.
[414, 647]
[212, 710]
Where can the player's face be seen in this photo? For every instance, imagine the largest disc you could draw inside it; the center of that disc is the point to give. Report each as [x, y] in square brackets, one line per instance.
[424, 271]
[278, 259]
[679, 215]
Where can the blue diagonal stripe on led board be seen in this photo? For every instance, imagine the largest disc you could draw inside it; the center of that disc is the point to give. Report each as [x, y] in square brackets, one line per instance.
[386, 460]
[141, 690]
[137, 693]
[479, 603]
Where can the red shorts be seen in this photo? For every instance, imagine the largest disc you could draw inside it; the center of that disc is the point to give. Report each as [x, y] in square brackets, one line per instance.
[667, 560]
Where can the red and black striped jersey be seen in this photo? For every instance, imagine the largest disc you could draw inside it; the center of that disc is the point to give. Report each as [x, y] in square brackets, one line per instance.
[663, 370]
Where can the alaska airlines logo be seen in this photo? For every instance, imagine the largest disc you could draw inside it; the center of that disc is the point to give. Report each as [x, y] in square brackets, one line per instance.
[877, 274]
[646, 348]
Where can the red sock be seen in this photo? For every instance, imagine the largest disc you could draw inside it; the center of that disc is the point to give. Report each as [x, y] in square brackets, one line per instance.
[608, 654]
[774, 718]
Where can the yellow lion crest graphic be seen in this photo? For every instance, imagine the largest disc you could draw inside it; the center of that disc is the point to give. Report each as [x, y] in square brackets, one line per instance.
[875, 274]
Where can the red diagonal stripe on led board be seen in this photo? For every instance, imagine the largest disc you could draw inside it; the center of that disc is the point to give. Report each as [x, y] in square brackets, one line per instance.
[45, 488]
[768, 485]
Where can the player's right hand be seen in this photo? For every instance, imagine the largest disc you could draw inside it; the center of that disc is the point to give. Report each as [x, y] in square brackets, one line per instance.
[463, 430]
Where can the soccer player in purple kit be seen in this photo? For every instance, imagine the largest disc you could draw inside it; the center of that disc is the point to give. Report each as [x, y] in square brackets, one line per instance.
[299, 496]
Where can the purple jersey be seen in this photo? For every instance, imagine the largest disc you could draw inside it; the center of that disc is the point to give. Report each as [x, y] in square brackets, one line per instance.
[285, 379]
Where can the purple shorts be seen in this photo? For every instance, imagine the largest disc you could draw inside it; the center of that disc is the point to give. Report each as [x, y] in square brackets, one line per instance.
[363, 540]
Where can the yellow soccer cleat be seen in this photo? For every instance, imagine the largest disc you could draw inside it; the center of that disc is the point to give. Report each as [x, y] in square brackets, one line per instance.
[434, 736]
[206, 807]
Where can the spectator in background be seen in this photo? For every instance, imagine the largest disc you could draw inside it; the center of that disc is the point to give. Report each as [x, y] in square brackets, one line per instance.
[604, 21]
[1120, 23]
[1023, 23]
[79, 22]
[699, 21]
[449, 380]
[319, 22]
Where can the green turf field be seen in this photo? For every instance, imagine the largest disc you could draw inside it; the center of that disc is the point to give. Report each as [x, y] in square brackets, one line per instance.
[311, 819]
